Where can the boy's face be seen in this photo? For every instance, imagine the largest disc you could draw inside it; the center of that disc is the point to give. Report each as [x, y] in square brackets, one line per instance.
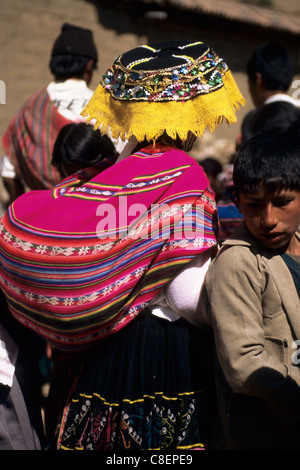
[272, 218]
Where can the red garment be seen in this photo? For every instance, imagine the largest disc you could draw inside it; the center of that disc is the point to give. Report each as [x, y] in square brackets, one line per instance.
[29, 139]
[80, 261]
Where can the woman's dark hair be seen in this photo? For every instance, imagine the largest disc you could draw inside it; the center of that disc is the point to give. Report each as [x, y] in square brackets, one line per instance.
[275, 64]
[271, 159]
[64, 66]
[79, 146]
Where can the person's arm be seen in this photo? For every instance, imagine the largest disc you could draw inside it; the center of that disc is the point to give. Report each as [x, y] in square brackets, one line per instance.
[12, 184]
[234, 287]
[14, 188]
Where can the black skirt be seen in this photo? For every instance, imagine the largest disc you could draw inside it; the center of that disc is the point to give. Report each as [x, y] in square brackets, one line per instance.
[149, 386]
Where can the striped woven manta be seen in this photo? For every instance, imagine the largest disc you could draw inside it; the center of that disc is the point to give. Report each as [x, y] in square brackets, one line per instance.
[81, 261]
[29, 139]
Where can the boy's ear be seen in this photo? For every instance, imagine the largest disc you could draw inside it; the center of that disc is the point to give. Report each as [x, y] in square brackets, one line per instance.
[258, 78]
[259, 81]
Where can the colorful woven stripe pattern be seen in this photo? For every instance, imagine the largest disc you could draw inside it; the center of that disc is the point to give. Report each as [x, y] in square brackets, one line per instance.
[79, 262]
[29, 139]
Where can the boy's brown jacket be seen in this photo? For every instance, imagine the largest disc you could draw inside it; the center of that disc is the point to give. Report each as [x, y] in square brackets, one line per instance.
[255, 313]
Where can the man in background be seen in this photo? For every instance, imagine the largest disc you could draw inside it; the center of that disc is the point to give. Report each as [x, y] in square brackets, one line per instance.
[270, 72]
[30, 136]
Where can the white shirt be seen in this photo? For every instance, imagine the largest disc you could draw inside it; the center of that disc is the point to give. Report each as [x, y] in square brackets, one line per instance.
[70, 97]
[282, 97]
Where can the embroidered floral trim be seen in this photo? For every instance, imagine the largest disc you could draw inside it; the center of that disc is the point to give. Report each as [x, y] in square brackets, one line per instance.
[53, 250]
[155, 216]
[75, 301]
[92, 422]
[142, 228]
[91, 191]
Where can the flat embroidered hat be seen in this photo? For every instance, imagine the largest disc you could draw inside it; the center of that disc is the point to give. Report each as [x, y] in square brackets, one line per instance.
[173, 87]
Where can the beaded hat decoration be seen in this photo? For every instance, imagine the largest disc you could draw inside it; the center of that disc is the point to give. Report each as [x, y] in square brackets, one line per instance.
[173, 87]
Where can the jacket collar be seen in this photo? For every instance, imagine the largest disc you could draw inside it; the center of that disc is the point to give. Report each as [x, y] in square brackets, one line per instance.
[280, 273]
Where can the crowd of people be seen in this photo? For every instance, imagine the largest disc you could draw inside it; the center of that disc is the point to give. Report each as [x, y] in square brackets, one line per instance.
[161, 292]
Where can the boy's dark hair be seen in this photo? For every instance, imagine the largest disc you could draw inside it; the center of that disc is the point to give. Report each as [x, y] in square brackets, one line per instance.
[64, 66]
[275, 64]
[271, 159]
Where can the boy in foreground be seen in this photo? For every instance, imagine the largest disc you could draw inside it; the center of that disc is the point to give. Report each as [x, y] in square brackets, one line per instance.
[253, 289]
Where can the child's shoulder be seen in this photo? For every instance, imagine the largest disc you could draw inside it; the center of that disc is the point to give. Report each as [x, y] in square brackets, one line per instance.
[239, 241]
[238, 253]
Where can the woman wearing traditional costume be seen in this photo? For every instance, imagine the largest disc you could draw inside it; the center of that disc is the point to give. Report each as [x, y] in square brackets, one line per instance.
[109, 270]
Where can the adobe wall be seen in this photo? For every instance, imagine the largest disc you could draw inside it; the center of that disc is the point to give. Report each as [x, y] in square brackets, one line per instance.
[28, 29]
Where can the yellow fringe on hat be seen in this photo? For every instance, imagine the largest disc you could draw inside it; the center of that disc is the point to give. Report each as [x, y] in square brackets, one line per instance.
[149, 120]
